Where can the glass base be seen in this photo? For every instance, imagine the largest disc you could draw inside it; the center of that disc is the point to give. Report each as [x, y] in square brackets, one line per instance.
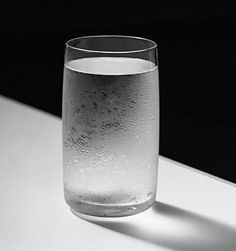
[101, 210]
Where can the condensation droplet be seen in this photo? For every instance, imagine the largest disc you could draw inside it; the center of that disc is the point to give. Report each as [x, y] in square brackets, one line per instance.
[76, 160]
[123, 156]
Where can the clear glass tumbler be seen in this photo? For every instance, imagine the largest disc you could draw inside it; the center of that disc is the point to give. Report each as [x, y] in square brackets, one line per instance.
[110, 125]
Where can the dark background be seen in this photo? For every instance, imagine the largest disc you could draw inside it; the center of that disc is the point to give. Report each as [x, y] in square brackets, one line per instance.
[197, 65]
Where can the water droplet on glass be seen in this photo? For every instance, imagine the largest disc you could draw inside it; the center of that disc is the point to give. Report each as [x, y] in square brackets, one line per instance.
[76, 160]
[149, 194]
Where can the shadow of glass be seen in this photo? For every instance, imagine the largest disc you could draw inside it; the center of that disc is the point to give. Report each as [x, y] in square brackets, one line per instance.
[174, 228]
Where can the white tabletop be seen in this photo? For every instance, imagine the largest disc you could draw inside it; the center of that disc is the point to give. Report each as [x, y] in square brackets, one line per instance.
[193, 211]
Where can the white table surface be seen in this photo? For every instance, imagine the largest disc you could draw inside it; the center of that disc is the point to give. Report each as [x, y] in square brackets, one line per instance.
[193, 211]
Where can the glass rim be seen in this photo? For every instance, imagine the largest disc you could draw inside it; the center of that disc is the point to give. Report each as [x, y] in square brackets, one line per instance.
[152, 46]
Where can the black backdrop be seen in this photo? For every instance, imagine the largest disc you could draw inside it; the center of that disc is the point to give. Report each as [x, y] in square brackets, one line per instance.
[197, 65]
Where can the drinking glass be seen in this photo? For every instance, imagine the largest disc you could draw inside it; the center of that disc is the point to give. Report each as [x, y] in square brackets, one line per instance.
[110, 125]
